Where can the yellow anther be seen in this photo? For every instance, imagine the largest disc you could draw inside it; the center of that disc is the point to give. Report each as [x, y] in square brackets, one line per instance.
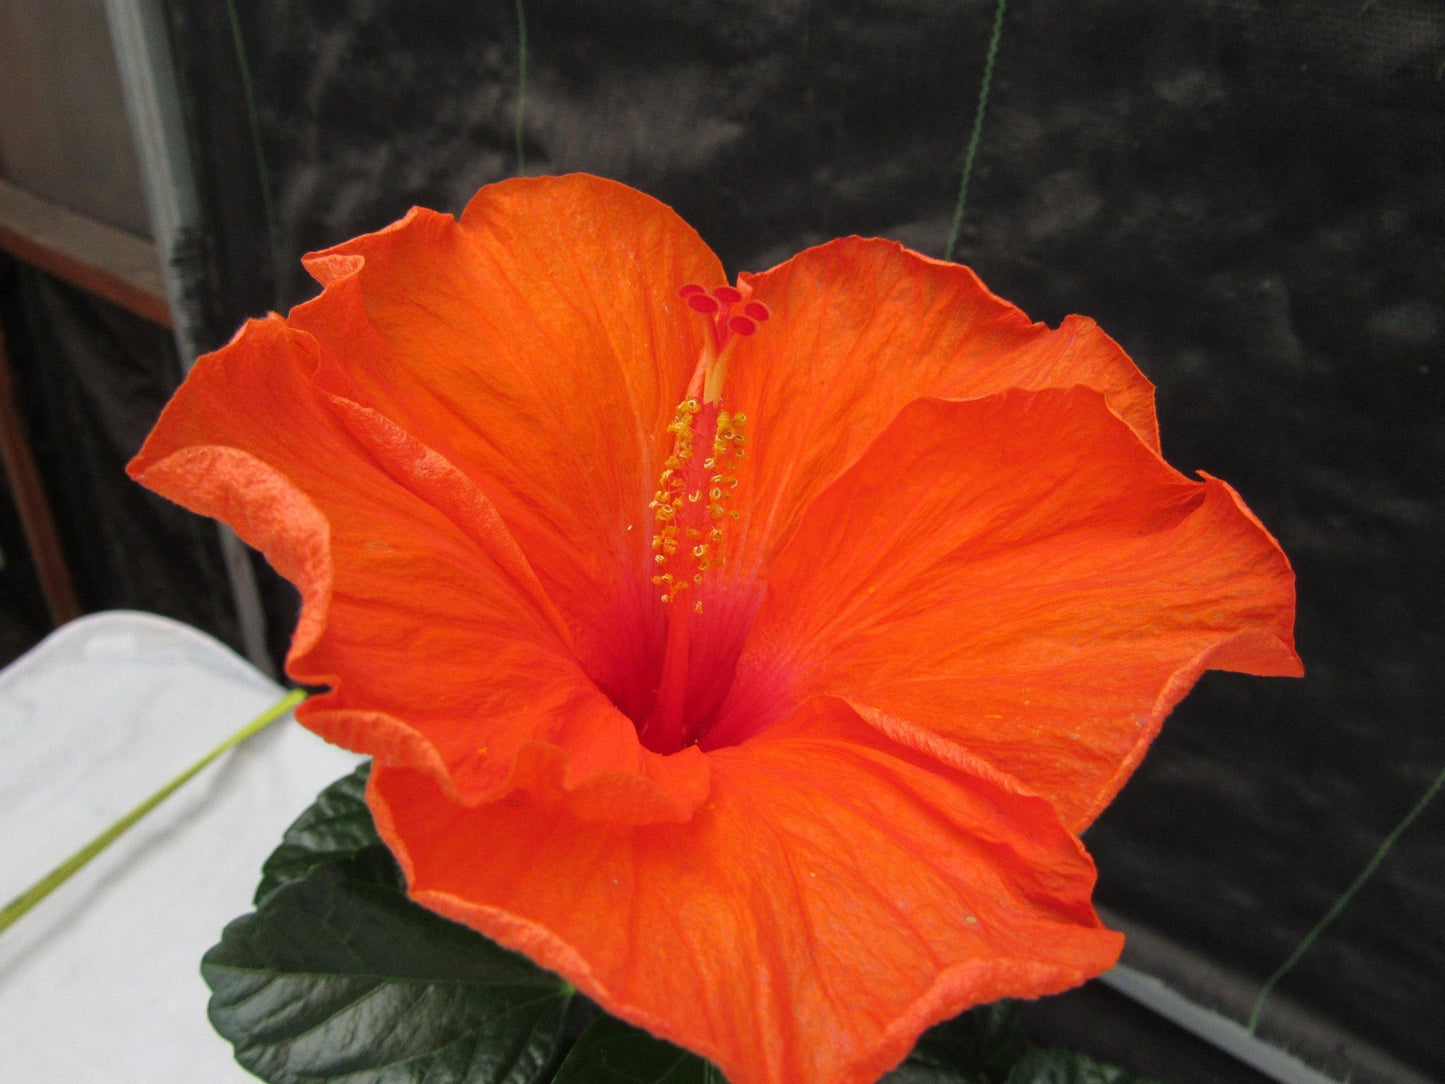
[688, 506]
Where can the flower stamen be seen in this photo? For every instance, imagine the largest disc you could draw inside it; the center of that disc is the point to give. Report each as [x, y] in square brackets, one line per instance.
[690, 507]
[690, 503]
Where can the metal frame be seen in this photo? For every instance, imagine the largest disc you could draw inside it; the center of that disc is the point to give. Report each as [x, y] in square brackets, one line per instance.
[152, 104]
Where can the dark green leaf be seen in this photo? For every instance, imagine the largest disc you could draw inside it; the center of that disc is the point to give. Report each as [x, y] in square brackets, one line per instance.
[339, 977]
[918, 1072]
[1056, 1065]
[337, 825]
[976, 1047]
[611, 1052]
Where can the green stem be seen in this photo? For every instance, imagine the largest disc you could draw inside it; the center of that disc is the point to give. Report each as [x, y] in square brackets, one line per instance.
[1341, 903]
[977, 134]
[72, 865]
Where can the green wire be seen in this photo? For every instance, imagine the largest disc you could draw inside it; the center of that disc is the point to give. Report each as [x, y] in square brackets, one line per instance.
[1341, 903]
[521, 85]
[253, 118]
[977, 134]
[72, 865]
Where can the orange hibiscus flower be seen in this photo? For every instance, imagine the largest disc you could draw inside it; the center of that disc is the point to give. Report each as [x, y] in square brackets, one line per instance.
[752, 656]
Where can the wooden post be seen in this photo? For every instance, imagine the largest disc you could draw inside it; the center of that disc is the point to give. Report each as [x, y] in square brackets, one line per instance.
[30, 501]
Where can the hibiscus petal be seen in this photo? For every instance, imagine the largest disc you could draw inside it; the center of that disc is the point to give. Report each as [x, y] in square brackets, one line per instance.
[859, 329]
[444, 650]
[1020, 575]
[836, 895]
[539, 344]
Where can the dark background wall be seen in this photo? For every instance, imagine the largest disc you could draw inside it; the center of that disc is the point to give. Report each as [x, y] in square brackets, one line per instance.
[1248, 195]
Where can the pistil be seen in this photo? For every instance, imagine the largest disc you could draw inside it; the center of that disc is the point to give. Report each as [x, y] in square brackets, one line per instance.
[691, 506]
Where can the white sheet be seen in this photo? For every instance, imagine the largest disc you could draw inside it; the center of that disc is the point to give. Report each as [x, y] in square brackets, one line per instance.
[100, 982]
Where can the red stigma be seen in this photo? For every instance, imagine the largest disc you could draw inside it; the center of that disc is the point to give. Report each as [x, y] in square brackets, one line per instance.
[734, 313]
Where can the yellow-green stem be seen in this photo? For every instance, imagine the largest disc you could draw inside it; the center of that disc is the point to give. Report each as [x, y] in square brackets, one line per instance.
[1341, 903]
[72, 865]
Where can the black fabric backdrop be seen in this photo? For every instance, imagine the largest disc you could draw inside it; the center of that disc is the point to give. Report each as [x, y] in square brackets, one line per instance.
[90, 379]
[1246, 194]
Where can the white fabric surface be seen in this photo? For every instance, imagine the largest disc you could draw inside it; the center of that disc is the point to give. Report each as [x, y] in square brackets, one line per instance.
[100, 982]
